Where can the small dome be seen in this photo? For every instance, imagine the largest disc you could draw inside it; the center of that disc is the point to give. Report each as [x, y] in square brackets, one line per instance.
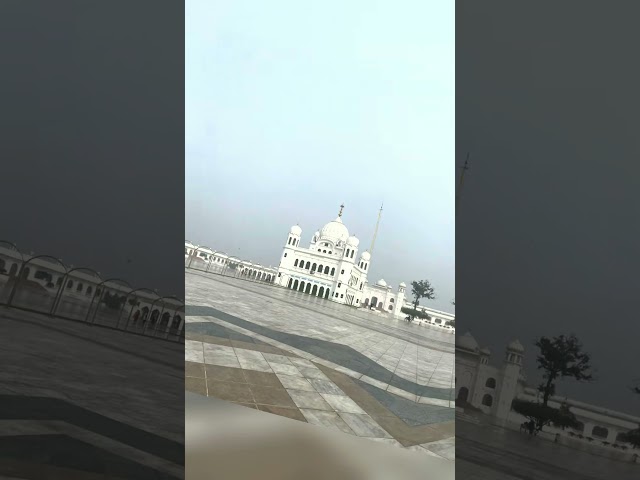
[402, 284]
[353, 241]
[366, 256]
[296, 230]
[516, 346]
[381, 283]
[467, 342]
[335, 231]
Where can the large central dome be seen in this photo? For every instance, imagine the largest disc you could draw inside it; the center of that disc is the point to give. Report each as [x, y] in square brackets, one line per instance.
[335, 231]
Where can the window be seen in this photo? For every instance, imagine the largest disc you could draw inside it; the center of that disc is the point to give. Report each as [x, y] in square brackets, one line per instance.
[357, 300]
[487, 400]
[336, 294]
[600, 432]
[390, 307]
[279, 274]
[70, 284]
[392, 300]
[347, 252]
[313, 267]
[490, 383]
[308, 265]
[285, 254]
[342, 272]
[365, 266]
[352, 252]
[333, 271]
[342, 295]
[339, 284]
[326, 270]
[289, 242]
[295, 264]
[329, 252]
[79, 288]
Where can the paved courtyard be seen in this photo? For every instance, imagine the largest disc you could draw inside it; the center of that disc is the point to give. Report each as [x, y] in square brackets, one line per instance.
[315, 361]
[488, 452]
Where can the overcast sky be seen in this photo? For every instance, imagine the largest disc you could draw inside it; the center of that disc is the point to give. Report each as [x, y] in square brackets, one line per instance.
[548, 228]
[295, 107]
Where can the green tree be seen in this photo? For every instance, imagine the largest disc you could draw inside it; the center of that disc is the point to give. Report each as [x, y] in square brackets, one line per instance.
[561, 357]
[421, 289]
[558, 357]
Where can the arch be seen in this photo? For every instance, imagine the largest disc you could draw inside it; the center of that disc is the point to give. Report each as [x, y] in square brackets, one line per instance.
[320, 268]
[295, 285]
[392, 300]
[487, 400]
[314, 290]
[333, 271]
[268, 278]
[327, 292]
[79, 287]
[374, 301]
[365, 266]
[314, 267]
[45, 261]
[295, 264]
[390, 307]
[321, 292]
[380, 305]
[352, 252]
[326, 270]
[101, 290]
[69, 283]
[463, 394]
[490, 383]
[308, 265]
[301, 286]
[13, 270]
[347, 252]
[366, 302]
[308, 288]
[89, 290]
[290, 283]
[600, 432]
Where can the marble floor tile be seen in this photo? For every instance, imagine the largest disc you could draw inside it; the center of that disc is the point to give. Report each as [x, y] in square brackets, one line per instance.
[309, 400]
[326, 419]
[325, 386]
[342, 403]
[364, 425]
[295, 382]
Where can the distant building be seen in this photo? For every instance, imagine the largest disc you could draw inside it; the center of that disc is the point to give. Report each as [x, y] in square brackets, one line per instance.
[331, 268]
[492, 389]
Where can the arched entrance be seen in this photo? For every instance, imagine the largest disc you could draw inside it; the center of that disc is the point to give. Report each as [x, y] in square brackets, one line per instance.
[301, 286]
[374, 301]
[463, 394]
[295, 285]
[290, 282]
[308, 288]
[321, 292]
[326, 293]
[314, 290]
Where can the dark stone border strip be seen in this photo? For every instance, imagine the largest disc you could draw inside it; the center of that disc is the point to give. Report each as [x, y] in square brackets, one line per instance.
[22, 407]
[66, 452]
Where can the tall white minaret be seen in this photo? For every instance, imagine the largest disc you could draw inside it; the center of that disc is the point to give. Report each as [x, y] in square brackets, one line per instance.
[375, 233]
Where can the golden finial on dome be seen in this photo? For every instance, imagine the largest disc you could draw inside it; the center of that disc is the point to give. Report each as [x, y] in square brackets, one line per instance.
[341, 207]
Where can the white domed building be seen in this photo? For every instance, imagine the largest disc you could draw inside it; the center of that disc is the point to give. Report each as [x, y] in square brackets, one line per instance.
[332, 268]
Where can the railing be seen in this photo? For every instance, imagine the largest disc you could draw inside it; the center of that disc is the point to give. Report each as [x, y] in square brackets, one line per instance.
[44, 284]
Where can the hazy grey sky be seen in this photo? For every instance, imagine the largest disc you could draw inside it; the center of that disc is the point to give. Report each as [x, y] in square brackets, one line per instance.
[547, 228]
[294, 107]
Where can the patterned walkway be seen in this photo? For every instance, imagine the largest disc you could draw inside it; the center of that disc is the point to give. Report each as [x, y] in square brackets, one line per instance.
[274, 368]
